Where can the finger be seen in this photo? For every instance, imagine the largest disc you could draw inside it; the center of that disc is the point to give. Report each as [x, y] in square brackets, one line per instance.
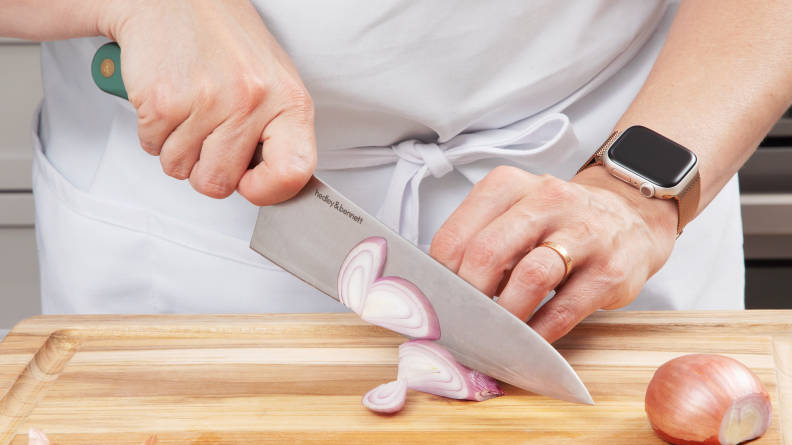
[576, 300]
[158, 116]
[500, 246]
[490, 198]
[289, 152]
[182, 148]
[224, 157]
[531, 281]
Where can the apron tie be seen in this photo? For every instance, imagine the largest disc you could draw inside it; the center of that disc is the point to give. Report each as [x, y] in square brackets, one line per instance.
[415, 152]
[535, 145]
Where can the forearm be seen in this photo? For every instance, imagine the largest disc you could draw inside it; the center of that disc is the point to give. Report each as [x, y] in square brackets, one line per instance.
[722, 79]
[41, 20]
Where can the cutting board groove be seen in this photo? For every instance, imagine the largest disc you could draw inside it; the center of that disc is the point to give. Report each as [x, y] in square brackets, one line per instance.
[298, 378]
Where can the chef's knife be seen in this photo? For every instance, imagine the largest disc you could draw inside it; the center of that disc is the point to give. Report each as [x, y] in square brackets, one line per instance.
[310, 234]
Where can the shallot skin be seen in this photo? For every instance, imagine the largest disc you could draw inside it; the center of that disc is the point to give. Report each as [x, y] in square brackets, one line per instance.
[695, 399]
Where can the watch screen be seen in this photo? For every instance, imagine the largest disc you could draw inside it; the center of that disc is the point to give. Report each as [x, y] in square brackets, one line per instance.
[648, 154]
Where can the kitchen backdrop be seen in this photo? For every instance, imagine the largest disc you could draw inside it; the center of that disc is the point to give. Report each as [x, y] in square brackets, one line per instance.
[765, 184]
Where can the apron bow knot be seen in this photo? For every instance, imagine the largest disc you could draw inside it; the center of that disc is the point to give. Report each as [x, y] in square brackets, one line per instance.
[533, 144]
[415, 152]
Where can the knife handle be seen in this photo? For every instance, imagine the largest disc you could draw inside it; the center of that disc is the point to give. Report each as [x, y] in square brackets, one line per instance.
[106, 70]
[106, 73]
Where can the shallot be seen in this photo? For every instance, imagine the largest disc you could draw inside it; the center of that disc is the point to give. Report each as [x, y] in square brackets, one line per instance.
[707, 399]
[387, 398]
[391, 302]
[430, 368]
[361, 267]
[398, 305]
[37, 437]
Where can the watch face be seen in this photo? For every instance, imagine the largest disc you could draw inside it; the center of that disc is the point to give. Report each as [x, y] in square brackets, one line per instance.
[648, 154]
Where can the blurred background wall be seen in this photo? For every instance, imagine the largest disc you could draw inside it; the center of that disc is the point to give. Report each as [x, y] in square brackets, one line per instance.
[20, 92]
[765, 184]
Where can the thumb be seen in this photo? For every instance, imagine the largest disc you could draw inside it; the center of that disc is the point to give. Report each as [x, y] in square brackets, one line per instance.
[289, 160]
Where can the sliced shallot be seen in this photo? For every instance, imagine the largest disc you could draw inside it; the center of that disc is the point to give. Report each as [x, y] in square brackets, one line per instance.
[37, 437]
[396, 304]
[430, 368]
[387, 398]
[361, 267]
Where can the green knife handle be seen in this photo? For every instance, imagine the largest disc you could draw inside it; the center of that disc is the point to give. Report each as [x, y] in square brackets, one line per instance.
[106, 70]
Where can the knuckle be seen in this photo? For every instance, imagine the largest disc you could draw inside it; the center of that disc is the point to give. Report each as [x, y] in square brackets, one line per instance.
[533, 277]
[483, 253]
[149, 146]
[175, 169]
[447, 246]
[505, 174]
[204, 94]
[612, 267]
[292, 177]
[560, 319]
[557, 190]
[498, 178]
[213, 186]
[251, 91]
[300, 99]
[299, 104]
[158, 105]
[614, 271]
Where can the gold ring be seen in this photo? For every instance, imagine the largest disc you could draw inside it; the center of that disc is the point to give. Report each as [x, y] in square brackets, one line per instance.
[564, 256]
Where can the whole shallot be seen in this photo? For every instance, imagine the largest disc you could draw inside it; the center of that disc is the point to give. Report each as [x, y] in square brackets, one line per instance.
[707, 399]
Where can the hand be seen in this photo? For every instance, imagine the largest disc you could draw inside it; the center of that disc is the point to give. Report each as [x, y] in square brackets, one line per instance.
[616, 238]
[209, 82]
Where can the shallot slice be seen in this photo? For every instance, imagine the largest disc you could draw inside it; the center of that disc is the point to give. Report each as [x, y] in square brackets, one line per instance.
[429, 368]
[37, 437]
[396, 304]
[387, 398]
[707, 399]
[361, 267]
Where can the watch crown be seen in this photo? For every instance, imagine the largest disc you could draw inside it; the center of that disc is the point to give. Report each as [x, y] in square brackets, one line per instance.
[647, 190]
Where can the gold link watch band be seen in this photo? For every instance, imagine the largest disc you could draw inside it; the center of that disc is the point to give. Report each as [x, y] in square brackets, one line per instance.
[687, 201]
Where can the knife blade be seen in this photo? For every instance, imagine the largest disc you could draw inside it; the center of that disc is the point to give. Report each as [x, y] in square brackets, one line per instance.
[310, 234]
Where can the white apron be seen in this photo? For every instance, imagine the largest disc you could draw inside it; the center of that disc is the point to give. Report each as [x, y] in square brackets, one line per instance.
[118, 236]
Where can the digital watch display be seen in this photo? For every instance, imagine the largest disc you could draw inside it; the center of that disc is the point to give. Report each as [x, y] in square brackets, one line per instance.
[654, 164]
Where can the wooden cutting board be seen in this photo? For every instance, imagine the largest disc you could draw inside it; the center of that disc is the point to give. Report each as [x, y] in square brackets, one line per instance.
[263, 379]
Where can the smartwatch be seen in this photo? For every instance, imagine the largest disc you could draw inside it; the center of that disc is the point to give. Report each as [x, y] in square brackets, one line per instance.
[655, 165]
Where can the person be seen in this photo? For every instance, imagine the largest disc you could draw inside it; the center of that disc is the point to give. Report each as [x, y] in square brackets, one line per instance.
[329, 88]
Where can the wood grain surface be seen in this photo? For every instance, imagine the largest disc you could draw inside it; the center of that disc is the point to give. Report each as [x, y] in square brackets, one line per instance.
[299, 378]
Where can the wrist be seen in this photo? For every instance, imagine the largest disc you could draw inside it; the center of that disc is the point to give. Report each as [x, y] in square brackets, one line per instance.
[661, 214]
[108, 18]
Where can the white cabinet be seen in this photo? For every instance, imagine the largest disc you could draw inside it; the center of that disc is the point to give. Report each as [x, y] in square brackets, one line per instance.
[20, 93]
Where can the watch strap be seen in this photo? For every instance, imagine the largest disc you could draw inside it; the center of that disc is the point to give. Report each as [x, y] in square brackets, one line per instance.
[596, 158]
[687, 201]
